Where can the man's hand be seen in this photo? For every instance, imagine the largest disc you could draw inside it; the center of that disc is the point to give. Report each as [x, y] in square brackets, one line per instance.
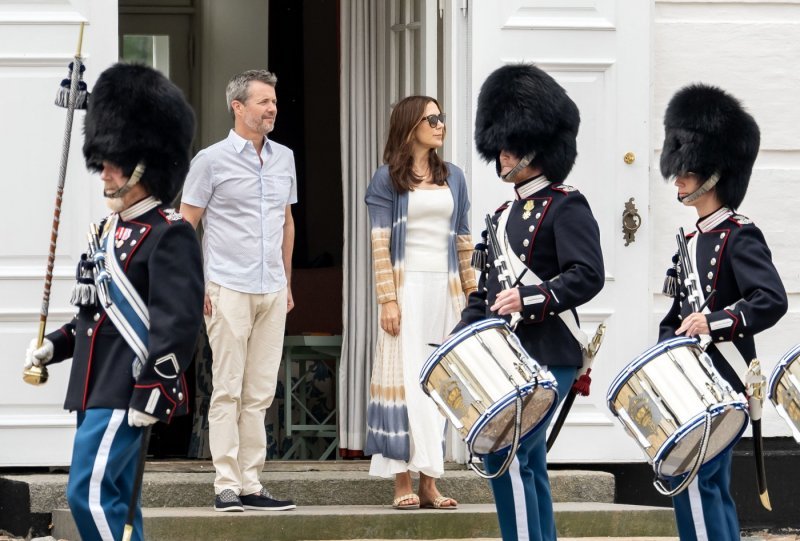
[140, 418]
[206, 305]
[695, 324]
[507, 302]
[38, 356]
[289, 300]
[390, 317]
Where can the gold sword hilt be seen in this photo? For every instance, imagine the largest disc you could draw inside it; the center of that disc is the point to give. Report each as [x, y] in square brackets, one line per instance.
[755, 381]
[596, 341]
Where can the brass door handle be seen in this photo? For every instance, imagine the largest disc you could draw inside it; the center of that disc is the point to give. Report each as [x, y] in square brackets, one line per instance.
[631, 222]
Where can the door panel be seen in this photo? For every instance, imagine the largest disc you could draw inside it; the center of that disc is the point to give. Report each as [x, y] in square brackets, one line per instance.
[599, 52]
[38, 41]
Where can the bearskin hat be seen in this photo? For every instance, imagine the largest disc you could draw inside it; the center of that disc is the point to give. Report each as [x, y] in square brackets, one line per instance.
[522, 109]
[708, 131]
[136, 114]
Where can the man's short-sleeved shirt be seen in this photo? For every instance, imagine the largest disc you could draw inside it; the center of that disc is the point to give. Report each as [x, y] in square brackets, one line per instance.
[245, 204]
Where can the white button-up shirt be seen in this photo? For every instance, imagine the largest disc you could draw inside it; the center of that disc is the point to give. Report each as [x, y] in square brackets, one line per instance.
[245, 204]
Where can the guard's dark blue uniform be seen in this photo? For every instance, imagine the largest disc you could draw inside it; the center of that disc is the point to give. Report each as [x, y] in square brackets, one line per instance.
[552, 230]
[161, 257]
[733, 259]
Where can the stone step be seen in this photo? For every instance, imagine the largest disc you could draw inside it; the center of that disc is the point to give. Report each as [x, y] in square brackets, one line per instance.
[46, 492]
[339, 522]
[761, 535]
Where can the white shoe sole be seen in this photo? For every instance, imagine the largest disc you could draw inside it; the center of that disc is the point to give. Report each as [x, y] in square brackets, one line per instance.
[229, 509]
[282, 508]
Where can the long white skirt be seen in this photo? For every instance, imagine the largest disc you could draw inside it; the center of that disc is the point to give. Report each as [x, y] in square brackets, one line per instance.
[428, 315]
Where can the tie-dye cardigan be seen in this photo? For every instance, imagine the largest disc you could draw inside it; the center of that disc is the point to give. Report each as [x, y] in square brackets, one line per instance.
[387, 417]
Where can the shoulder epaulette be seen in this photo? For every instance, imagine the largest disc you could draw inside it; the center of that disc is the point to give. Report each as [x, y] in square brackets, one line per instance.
[502, 207]
[171, 215]
[740, 219]
[564, 188]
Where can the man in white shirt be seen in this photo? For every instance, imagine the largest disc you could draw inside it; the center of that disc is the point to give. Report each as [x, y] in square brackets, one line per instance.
[242, 188]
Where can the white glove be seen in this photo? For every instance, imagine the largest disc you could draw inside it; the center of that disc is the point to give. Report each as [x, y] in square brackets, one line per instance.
[140, 418]
[38, 356]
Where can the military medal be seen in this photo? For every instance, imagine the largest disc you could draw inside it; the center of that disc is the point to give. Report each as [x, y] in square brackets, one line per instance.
[528, 208]
[122, 234]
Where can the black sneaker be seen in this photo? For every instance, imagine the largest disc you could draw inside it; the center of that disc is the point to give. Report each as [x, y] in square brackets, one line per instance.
[263, 501]
[227, 500]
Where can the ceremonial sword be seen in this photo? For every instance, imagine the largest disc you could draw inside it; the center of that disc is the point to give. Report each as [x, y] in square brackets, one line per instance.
[580, 385]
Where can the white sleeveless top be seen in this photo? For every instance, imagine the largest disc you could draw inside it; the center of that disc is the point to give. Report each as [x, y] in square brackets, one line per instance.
[428, 230]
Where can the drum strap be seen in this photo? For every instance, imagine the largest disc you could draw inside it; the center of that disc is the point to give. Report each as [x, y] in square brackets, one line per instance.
[530, 278]
[726, 349]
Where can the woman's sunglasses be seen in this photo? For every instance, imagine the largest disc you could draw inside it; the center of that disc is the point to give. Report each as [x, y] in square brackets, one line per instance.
[433, 120]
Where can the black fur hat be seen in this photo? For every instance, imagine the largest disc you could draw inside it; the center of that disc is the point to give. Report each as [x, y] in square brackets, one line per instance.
[136, 114]
[522, 109]
[708, 131]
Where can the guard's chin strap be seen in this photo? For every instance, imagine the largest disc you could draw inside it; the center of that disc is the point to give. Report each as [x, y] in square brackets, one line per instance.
[523, 163]
[128, 186]
[702, 190]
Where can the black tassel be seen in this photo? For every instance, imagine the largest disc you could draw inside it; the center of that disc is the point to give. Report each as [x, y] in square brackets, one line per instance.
[479, 257]
[84, 292]
[82, 97]
[670, 288]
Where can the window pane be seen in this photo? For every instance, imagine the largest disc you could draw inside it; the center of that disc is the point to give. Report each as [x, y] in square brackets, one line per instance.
[151, 51]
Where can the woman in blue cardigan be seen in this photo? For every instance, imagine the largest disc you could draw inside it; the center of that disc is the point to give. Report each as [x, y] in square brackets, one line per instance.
[421, 248]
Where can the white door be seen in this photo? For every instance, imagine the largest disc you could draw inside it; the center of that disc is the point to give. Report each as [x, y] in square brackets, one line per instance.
[39, 41]
[599, 50]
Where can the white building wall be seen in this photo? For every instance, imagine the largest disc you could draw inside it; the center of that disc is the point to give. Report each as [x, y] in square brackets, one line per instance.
[37, 42]
[750, 48]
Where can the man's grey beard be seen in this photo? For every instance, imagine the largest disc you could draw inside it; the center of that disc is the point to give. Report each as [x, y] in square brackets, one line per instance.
[116, 204]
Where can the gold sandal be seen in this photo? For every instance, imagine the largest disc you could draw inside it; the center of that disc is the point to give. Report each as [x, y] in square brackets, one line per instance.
[409, 496]
[438, 501]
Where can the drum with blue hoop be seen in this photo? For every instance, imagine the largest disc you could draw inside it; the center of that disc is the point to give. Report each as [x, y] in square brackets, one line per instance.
[784, 389]
[475, 378]
[663, 399]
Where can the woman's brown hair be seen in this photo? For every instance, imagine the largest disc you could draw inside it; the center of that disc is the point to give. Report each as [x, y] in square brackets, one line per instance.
[406, 116]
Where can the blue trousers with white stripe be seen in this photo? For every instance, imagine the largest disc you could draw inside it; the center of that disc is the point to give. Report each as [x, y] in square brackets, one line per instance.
[522, 494]
[706, 511]
[101, 475]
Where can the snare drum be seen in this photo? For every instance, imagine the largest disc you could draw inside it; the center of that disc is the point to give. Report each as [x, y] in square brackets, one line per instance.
[784, 389]
[474, 377]
[663, 398]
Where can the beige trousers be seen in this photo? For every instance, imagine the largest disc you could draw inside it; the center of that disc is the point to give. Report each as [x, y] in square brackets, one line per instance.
[245, 332]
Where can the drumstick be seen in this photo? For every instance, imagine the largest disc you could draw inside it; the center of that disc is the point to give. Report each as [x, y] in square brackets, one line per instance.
[519, 278]
[708, 299]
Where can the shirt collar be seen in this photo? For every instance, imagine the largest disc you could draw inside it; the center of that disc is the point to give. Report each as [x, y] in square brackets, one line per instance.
[527, 188]
[707, 223]
[137, 209]
[240, 142]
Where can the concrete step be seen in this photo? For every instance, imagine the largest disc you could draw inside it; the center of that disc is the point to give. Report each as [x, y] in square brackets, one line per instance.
[339, 522]
[45, 492]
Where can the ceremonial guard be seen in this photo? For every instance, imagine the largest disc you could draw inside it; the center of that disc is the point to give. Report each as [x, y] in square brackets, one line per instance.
[709, 148]
[139, 294]
[527, 125]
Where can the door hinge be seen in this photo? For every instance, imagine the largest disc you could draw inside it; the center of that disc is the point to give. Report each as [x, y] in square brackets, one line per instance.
[464, 7]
